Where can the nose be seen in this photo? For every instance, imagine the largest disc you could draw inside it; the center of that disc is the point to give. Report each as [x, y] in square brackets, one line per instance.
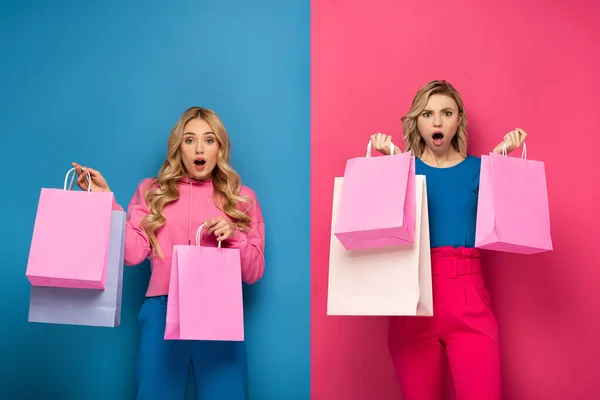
[199, 148]
[437, 121]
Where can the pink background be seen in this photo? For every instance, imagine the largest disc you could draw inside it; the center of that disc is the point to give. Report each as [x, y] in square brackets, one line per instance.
[532, 65]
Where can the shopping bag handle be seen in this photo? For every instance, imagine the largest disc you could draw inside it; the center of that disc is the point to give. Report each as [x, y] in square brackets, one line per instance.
[89, 179]
[392, 148]
[198, 234]
[523, 153]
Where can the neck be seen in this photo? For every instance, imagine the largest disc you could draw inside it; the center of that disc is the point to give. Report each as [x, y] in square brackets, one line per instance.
[441, 157]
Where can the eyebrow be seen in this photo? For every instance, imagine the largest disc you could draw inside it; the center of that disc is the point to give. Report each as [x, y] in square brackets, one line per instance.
[193, 134]
[443, 109]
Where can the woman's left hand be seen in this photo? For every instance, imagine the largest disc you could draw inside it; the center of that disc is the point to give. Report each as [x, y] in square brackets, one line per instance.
[513, 139]
[221, 226]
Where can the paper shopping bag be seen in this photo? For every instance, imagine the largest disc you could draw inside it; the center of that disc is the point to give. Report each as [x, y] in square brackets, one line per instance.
[512, 212]
[377, 202]
[205, 294]
[83, 306]
[69, 247]
[383, 282]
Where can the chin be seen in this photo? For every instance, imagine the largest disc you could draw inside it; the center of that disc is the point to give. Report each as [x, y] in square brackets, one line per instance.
[433, 147]
[200, 175]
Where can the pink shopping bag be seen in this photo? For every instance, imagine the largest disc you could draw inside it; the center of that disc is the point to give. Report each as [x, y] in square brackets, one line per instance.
[377, 202]
[513, 213]
[71, 236]
[205, 294]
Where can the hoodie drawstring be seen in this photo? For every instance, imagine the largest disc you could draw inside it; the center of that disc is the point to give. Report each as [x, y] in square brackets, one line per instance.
[210, 194]
[190, 215]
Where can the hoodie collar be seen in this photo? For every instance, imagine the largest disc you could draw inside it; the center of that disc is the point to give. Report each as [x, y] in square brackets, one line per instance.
[186, 179]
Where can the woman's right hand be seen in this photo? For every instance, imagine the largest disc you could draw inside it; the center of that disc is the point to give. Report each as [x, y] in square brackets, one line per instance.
[99, 184]
[382, 143]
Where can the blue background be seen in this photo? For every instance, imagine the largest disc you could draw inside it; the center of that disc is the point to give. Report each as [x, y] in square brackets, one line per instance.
[102, 83]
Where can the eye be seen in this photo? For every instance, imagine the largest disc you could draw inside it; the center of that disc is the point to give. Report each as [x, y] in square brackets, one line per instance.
[210, 140]
[427, 114]
[448, 113]
[189, 140]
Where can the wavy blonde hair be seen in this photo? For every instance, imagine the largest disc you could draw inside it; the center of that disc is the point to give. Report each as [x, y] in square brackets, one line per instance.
[164, 188]
[412, 137]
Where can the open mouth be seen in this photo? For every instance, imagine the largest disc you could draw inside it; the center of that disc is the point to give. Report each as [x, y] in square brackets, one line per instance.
[438, 138]
[199, 162]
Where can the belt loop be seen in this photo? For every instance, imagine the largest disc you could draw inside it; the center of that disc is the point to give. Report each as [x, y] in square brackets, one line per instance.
[451, 268]
[447, 252]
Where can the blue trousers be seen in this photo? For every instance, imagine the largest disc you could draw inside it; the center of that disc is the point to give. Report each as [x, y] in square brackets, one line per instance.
[163, 365]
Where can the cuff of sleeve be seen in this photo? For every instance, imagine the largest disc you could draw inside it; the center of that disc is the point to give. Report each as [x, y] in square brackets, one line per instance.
[115, 206]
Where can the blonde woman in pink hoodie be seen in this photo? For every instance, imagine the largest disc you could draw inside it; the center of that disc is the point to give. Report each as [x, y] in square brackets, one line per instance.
[195, 185]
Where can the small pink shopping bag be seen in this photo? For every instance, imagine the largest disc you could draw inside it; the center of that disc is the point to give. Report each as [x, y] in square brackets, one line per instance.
[377, 202]
[205, 294]
[513, 213]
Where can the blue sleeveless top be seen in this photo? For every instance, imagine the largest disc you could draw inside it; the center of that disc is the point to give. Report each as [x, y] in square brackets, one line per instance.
[452, 195]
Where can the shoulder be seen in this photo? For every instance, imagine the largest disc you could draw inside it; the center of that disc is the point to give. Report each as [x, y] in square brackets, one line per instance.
[146, 183]
[144, 186]
[250, 204]
[138, 198]
[247, 191]
[473, 168]
[473, 161]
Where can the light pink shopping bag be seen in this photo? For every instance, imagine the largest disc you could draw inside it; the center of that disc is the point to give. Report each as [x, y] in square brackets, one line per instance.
[71, 237]
[205, 294]
[513, 213]
[377, 202]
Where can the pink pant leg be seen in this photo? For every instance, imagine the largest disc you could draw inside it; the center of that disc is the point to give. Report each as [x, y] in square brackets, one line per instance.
[472, 344]
[417, 355]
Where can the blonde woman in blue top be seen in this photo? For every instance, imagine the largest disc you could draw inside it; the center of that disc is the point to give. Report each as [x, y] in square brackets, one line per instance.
[464, 327]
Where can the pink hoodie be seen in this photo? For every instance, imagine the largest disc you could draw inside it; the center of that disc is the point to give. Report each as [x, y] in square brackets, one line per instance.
[183, 217]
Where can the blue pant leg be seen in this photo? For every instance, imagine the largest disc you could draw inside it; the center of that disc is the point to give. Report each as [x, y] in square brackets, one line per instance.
[220, 370]
[162, 365]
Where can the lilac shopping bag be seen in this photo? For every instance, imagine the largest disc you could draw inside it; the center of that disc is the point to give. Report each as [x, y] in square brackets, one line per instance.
[83, 306]
[513, 213]
[205, 294]
[377, 202]
[69, 247]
